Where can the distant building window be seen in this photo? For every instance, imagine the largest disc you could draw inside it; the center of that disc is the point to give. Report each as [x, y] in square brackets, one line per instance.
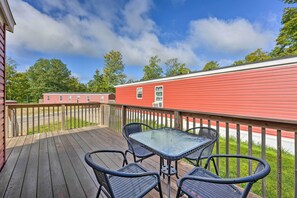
[61, 98]
[102, 99]
[159, 95]
[77, 98]
[48, 97]
[139, 93]
[69, 98]
[88, 98]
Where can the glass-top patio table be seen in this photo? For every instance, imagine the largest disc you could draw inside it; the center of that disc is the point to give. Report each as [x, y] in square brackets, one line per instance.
[170, 144]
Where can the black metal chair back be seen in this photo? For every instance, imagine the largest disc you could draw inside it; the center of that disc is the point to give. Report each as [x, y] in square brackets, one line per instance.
[208, 133]
[131, 128]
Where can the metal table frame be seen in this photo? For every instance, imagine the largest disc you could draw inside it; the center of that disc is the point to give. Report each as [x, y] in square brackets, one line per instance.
[169, 158]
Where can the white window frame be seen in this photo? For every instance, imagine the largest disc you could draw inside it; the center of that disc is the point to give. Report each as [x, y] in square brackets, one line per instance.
[48, 98]
[61, 98]
[101, 98]
[137, 89]
[161, 101]
[88, 98]
[69, 98]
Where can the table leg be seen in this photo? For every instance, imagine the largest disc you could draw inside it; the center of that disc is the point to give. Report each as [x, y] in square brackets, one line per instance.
[169, 171]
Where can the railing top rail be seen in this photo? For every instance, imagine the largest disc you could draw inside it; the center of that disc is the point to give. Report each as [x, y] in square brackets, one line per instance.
[49, 105]
[282, 124]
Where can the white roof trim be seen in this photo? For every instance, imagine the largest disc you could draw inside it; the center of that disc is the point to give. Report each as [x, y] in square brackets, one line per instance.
[9, 20]
[77, 93]
[279, 62]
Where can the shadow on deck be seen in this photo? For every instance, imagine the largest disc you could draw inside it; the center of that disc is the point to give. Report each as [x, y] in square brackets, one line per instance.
[52, 164]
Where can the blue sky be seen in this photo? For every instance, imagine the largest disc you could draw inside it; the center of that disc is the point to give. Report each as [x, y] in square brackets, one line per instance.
[80, 32]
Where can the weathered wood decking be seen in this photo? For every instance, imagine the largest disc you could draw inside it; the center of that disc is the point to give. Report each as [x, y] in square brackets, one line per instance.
[52, 164]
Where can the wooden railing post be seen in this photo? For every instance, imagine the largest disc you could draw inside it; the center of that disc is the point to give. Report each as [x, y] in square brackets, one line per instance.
[63, 117]
[177, 120]
[124, 115]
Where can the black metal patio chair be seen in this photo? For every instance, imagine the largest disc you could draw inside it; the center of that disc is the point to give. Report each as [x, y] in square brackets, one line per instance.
[134, 148]
[200, 182]
[205, 152]
[131, 180]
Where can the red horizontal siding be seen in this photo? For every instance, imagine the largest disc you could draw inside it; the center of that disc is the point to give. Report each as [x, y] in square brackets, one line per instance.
[266, 92]
[2, 95]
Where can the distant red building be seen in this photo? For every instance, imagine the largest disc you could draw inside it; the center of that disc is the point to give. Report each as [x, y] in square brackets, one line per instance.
[64, 97]
[264, 89]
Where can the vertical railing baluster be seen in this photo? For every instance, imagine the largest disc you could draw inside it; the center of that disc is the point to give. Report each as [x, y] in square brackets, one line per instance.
[74, 115]
[250, 147]
[263, 156]
[48, 118]
[187, 121]
[33, 118]
[54, 118]
[158, 120]
[238, 149]
[201, 122]
[166, 122]
[43, 119]
[170, 120]
[218, 145]
[38, 121]
[154, 118]
[279, 162]
[227, 149]
[22, 132]
[194, 125]
[208, 123]
[58, 114]
[295, 157]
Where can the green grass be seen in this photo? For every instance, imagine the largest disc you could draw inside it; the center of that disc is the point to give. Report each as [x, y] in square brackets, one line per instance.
[271, 158]
[57, 126]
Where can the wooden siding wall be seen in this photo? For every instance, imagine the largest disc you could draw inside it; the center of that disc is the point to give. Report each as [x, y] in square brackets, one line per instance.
[267, 92]
[2, 95]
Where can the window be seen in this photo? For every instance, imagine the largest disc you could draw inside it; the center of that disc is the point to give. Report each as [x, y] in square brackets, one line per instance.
[139, 93]
[61, 98]
[69, 98]
[88, 98]
[159, 95]
[48, 97]
[102, 99]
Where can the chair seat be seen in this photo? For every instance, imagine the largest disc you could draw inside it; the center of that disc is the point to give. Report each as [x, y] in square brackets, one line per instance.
[141, 152]
[194, 188]
[132, 187]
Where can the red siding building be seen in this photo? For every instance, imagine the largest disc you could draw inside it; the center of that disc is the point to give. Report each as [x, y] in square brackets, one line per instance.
[265, 89]
[6, 24]
[51, 98]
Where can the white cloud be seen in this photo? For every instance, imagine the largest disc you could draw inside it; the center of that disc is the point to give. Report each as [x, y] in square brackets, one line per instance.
[127, 28]
[229, 36]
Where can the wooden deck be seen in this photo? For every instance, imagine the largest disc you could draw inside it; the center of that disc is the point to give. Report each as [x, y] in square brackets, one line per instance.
[52, 164]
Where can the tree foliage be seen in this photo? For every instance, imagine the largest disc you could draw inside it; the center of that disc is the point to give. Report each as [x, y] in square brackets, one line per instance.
[286, 42]
[152, 70]
[211, 65]
[173, 67]
[113, 71]
[96, 84]
[255, 56]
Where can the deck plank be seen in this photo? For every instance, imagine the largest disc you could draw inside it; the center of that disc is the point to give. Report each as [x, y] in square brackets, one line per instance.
[9, 167]
[74, 187]
[15, 184]
[44, 175]
[30, 180]
[58, 181]
[86, 181]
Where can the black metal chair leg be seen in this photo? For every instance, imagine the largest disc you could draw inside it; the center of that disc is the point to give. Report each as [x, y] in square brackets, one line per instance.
[160, 190]
[176, 168]
[161, 165]
[178, 192]
[99, 191]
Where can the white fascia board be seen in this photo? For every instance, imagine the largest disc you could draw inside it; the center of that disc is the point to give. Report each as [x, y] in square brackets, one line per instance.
[9, 20]
[279, 62]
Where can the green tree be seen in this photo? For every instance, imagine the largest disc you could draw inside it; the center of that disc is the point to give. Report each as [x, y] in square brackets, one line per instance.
[20, 87]
[113, 71]
[152, 70]
[211, 65]
[75, 86]
[173, 67]
[96, 84]
[286, 42]
[10, 72]
[255, 56]
[48, 76]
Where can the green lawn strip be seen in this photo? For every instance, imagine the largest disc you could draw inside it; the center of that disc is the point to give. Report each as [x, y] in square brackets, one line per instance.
[56, 126]
[271, 158]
